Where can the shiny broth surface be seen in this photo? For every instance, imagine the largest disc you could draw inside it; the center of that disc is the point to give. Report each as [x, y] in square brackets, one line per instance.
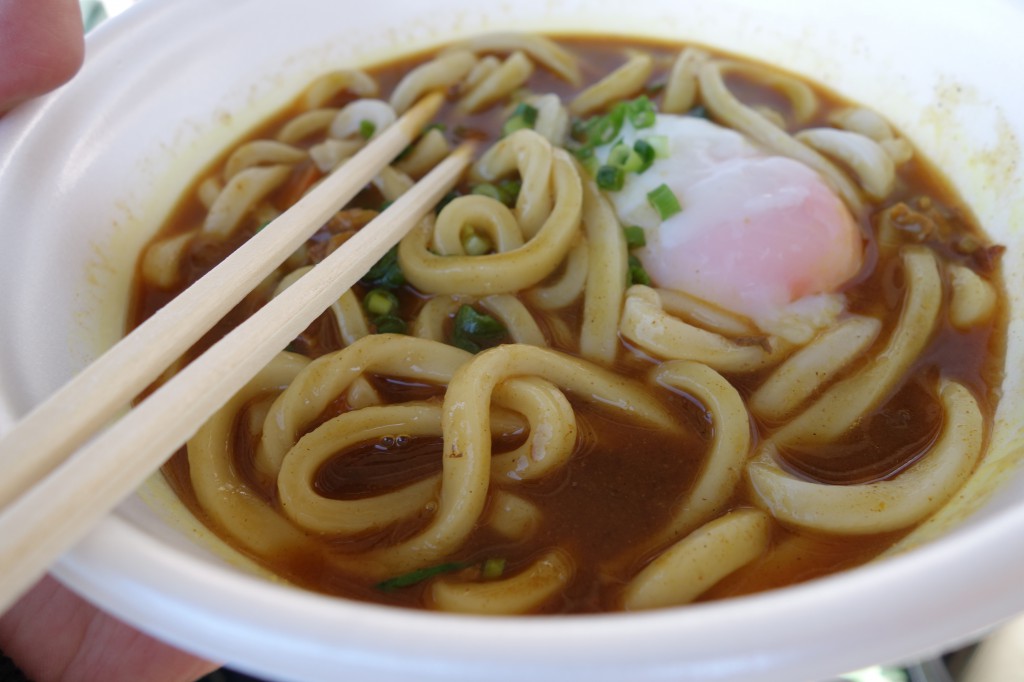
[683, 475]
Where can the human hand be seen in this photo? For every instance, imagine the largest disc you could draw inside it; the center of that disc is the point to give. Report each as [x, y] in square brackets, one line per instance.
[41, 47]
[51, 633]
[54, 636]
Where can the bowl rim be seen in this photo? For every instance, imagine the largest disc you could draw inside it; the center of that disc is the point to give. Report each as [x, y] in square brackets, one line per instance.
[128, 588]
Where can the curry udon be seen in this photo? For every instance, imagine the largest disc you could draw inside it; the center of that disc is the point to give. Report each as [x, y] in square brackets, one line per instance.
[689, 328]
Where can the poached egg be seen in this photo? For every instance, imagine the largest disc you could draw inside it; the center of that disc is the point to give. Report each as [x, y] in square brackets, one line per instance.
[760, 235]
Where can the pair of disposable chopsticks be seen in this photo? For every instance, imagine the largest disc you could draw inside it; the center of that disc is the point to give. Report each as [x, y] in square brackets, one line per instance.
[61, 471]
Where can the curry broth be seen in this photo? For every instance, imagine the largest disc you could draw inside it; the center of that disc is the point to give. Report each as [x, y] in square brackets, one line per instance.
[623, 479]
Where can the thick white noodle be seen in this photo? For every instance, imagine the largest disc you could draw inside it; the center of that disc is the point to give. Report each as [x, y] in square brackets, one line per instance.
[730, 444]
[231, 504]
[622, 83]
[849, 400]
[262, 153]
[161, 261]
[349, 121]
[899, 502]
[647, 325]
[466, 465]
[498, 84]
[865, 157]
[438, 74]
[694, 564]
[541, 50]
[809, 369]
[529, 153]
[606, 276]
[305, 506]
[729, 110]
[681, 88]
[523, 592]
[240, 195]
[330, 84]
[974, 299]
[507, 272]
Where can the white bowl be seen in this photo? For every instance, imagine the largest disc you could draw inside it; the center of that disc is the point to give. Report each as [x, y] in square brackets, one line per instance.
[87, 173]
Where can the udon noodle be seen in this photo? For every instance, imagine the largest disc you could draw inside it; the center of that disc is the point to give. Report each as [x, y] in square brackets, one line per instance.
[516, 412]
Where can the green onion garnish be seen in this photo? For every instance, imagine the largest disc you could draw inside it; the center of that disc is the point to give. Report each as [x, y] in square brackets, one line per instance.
[619, 155]
[510, 188]
[380, 302]
[646, 153]
[523, 116]
[610, 178]
[472, 330]
[492, 569]
[660, 144]
[506, 191]
[386, 272]
[699, 111]
[641, 112]
[625, 157]
[447, 199]
[474, 243]
[635, 237]
[636, 273]
[367, 128]
[664, 201]
[486, 189]
[419, 576]
[389, 324]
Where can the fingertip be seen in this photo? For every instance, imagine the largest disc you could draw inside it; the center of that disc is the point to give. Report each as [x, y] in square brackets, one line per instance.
[42, 47]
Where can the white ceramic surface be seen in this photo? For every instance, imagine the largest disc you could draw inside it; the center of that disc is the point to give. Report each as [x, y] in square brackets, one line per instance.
[86, 174]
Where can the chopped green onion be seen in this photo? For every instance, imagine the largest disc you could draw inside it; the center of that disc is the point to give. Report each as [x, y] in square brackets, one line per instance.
[472, 330]
[474, 243]
[389, 324]
[655, 88]
[641, 112]
[636, 273]
[487, 190]
[523, 116]
[506, 191]
[434, 126]
[419, 576]
[380, 302]
[584, 153]
[646, 153]
[386, 272]
[660, 144]
[447, 199]
[600, 130]
[699, 111]
[511, 189]
[619, 155]
[591, 165]
[635, 237]
[492, 569]
[625, 157]
[664, 201]
[610, 178]
[367, 128]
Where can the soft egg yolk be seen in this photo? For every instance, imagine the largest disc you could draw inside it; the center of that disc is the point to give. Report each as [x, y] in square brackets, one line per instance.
[757, 233]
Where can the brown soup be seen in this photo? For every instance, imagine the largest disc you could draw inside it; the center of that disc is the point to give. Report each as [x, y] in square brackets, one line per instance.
[577, 536]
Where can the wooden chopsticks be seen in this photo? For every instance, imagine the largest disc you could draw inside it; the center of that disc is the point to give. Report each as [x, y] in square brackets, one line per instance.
[50, 497]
